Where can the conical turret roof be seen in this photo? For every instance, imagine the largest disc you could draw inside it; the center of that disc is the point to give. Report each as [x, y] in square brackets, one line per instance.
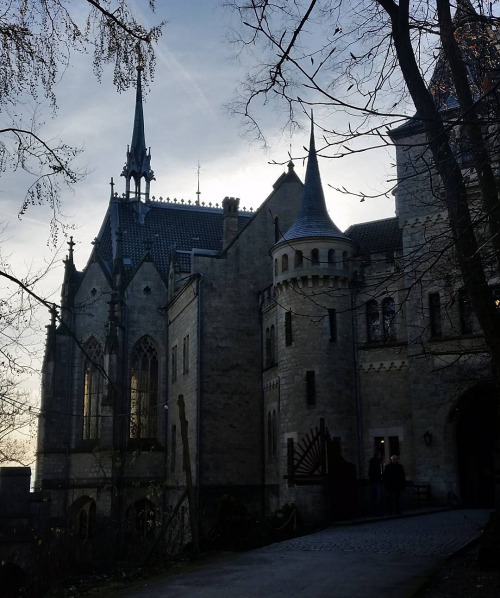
[313, 219]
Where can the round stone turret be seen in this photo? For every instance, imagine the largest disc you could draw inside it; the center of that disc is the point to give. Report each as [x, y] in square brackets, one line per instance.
[313, 246]
[313, 273]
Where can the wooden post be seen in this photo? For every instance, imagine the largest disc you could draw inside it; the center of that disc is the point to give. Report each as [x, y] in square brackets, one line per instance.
[193, 507]
[290, 461]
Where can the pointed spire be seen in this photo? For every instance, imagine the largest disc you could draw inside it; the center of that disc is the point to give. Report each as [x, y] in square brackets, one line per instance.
[313, 219]
[138, 165]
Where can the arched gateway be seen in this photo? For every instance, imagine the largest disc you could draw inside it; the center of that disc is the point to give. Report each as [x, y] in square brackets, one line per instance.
[476, 417]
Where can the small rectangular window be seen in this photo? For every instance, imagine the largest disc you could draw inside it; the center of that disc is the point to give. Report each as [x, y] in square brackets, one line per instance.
[288, 328]
[174, 363]
[465, 310]
[185, 355]
[435, 313]
[311, 387]
[332, 322]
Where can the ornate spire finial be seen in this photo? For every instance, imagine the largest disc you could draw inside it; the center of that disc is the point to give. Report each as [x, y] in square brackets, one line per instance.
[138, 165]
[71, 244]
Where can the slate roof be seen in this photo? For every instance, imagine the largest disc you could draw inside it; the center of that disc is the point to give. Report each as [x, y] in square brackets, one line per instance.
[377, 236]
[162, 229]
[313, 219]
[478, 42]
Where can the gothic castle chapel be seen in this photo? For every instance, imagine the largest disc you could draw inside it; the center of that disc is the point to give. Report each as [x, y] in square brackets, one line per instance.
[209, 352]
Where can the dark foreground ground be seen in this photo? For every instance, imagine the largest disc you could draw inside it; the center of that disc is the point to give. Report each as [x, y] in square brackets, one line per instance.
[460, 576]
[396, 558]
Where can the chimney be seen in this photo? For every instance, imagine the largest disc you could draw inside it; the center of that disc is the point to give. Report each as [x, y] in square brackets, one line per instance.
[230, 222]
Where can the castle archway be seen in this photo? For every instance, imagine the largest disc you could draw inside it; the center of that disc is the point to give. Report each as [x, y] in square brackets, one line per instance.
[476, 419]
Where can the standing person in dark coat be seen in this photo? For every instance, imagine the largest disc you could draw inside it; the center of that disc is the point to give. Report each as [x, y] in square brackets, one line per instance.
[375, 473]
[395, 482]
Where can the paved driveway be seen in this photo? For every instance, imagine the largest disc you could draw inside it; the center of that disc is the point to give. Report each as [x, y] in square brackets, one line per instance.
[382, 559]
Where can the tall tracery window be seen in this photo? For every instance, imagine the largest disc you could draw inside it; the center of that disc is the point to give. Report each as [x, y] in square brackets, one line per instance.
[372, 321]
[143, 390]
[388, 318]
[93, 387]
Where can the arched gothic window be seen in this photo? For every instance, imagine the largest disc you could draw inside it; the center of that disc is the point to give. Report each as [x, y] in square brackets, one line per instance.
[143, 389]
[299, 259]
[388, 318]
[331, 256]
[345, 259]
[372, 321]
[140, 520]
[93, 388]
[315, 257]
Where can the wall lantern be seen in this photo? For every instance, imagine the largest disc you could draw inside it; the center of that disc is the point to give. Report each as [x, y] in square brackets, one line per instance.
[428, 438]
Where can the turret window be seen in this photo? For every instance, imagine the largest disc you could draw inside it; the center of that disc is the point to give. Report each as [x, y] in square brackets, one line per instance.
[93, 387]
[288, 328]
[332, 323]
[284, 262]
[270, 346]
[331, 256]
[345, 260]
[143, 390]
[435, 314]
[315, 257]
[299, 259]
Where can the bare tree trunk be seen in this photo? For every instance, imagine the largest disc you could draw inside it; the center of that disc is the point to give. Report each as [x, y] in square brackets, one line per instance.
[193, 507]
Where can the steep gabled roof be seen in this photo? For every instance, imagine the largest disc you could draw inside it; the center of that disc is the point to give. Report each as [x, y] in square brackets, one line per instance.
[161, 228]
[377, 236]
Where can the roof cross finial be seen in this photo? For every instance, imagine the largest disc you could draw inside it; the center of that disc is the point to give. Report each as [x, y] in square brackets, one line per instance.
[198, 192]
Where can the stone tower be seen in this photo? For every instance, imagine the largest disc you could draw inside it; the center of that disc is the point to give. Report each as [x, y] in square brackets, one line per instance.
[313, 275]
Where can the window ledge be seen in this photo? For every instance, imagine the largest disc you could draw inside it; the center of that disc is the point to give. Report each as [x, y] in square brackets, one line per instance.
[144, 444]
[381, 344]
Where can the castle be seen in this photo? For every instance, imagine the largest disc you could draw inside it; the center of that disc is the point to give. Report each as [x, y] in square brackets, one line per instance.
[265, 356]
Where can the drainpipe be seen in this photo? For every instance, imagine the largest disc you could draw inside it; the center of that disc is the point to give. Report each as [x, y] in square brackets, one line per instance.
[359, 422]
[198, 394]
[167, 414]
[263, 421]
[69, 401]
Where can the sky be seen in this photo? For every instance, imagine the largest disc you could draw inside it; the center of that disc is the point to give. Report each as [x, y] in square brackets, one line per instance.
[186, 124]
